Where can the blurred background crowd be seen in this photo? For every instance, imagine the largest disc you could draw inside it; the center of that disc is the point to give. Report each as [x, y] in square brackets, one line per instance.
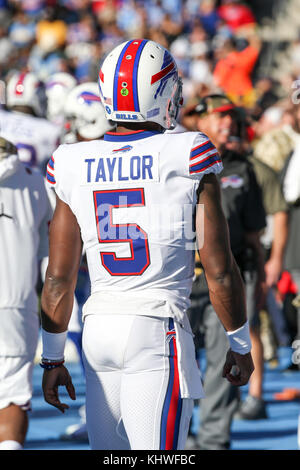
[246, 50]
[207, 38]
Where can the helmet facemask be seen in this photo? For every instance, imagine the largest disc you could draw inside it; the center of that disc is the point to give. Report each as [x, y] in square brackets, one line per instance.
[175, 103]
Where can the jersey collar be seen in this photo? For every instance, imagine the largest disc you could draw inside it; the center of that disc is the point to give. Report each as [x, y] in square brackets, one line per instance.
[129, 136]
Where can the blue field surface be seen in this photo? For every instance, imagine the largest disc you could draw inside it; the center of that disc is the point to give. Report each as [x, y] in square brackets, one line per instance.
[278, 432]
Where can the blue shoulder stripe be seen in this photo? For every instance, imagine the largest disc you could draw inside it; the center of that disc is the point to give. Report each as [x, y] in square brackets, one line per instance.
[202, 149]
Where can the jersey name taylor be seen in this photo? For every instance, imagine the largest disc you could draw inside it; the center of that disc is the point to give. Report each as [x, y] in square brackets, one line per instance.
[112, 169]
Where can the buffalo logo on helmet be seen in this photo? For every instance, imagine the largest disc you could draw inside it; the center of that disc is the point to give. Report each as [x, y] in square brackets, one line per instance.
[88, 97]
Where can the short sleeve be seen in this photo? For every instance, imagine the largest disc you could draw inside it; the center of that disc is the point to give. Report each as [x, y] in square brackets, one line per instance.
[50, 176]
[204, 158]
[55, 173]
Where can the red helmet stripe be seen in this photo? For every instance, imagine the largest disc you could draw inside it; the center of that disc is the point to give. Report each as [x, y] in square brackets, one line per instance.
[125, 94]
[158, 76]
[19, 85]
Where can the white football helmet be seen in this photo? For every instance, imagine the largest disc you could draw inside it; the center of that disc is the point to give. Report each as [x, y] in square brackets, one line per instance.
[58, 87]
[25, 89]
[84, 111]
[139, 82]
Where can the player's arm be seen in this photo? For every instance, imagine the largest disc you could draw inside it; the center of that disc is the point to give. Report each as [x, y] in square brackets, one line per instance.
[224, 281]
[65, 248]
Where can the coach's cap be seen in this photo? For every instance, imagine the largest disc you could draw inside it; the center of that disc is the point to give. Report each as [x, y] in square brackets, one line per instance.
[211, 104]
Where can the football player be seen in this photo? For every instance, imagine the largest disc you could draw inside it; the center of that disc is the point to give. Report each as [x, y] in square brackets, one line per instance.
[24, 218]
[24, 123]
[133, 200]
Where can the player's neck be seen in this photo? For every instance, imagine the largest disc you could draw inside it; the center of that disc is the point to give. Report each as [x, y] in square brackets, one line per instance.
[141, 126]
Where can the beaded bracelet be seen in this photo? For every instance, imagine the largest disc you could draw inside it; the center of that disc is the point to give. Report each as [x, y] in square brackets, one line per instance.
[51, 365]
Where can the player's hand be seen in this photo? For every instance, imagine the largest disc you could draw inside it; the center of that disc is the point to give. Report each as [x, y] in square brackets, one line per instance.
[273, 269]
[238, 368]
[51, 381]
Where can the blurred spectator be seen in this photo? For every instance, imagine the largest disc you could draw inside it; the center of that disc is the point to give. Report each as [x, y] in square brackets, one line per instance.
[200, 70]
[180, 51]
[233, 70]
[173, 8]
[197, 33]
[81, 31]
[273, 148]
[154, 13]
[270, 119]
[130, 19]
[98, 6]
[47, 56]
[209, 16]
[6, 45]
[266, 96]
[170, 28]
[236, 14]
[22, 30]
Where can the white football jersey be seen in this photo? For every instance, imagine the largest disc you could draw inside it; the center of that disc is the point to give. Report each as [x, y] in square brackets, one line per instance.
[134, 197]
[25, 213]
[35, 137]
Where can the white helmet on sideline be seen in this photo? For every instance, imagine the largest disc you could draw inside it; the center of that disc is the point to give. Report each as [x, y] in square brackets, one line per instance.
[25, 89]
[139, 82]
[84, 110]
[58, 87]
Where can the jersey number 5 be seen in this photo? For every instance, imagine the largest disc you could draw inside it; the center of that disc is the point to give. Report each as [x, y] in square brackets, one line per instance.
[105, 201]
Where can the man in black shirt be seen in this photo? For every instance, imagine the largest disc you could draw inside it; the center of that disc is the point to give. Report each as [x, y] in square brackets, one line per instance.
[243, 206]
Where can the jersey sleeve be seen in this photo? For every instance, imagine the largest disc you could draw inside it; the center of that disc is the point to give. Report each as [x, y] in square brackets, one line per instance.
[50, 176]
[55, 173]
[204, 158]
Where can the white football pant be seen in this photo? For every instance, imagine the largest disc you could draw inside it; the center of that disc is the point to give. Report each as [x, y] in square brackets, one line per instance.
[133, 398]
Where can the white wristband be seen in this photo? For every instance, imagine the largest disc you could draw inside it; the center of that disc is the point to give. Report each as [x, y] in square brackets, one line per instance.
[53, 345]
[240, 339]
